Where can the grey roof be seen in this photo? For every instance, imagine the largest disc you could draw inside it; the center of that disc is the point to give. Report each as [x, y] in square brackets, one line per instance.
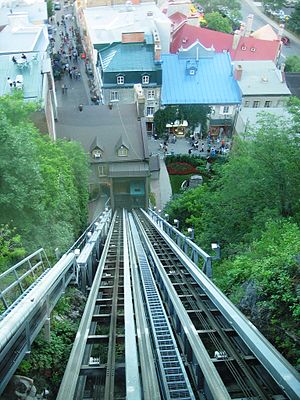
[293, 82]
[107, 125]
[154, 163]
[97, 144]
[261, 78]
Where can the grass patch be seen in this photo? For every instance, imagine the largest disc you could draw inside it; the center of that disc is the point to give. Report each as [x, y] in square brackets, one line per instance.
[176, 181]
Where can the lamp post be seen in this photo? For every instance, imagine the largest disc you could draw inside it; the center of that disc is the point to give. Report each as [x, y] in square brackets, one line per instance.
[191, 233]
[217, 248]
[167, 217]
[176, 223]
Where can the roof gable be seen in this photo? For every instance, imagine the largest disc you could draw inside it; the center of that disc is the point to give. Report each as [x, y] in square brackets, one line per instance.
[248, 48]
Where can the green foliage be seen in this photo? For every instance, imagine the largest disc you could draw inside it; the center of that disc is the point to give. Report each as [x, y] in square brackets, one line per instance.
[43, 183]
[272, 264]
[273, 5]
[194, 113]
[217, 22]
[50, 11]
[215, 5]
[292, 64]
[47, 361]
[294, 20]
[176, 182]
[11, 249]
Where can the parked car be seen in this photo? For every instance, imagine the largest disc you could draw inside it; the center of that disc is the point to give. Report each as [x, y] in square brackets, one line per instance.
[57, 6]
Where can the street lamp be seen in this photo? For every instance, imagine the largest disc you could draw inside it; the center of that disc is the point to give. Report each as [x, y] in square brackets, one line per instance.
[167, 217]
[176, 223]
[191, 233]
[217, 248]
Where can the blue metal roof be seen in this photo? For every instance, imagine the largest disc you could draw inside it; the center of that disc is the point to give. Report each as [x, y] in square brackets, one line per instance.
[208, 80]
[121, 57]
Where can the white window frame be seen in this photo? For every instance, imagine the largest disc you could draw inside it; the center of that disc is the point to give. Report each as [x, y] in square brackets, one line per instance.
[97, 154]
[101, 170]
[268, 104]
[145, 79]
[120, 80]
[151, 94]
[114, 95]
[225, 110]
[148, 113]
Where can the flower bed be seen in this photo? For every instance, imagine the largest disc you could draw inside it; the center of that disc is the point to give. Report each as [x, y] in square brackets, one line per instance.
[181, 168]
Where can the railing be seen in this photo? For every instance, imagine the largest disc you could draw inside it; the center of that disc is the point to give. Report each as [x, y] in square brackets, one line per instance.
[17, 280]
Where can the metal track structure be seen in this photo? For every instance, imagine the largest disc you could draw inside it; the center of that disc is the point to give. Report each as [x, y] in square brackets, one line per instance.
[249, 366]
[173, 377]
[97, 367]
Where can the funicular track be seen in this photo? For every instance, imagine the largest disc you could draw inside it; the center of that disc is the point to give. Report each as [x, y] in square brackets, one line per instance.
[242, 374]
[96, 365]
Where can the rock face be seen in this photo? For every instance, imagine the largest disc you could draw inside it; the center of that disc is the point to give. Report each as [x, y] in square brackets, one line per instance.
[22, 388]
[252, 306]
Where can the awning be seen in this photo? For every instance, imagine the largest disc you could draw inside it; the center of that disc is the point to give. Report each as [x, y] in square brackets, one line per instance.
[129, 169]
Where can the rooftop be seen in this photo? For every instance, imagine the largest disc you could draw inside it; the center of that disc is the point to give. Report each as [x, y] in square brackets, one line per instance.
[261, 78]
[211, 83]
[35, 9]
[31, 75]
[23, 38]
[106, 24]
[128, 57]
[248, 48]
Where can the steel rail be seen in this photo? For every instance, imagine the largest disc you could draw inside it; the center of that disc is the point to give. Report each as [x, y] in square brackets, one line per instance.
[133, 385]
[111, 357]
[287, 378]
[67, 390]
[216, 387]
[173, 377]
[149, 377]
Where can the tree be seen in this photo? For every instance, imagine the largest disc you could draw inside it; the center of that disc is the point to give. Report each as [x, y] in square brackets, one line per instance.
[294, 21]
[217, 22]
[292, 64]
[195, 114]
[43, 184]
[216, 5]
[11, 249]
[50, 11]
[273, 5]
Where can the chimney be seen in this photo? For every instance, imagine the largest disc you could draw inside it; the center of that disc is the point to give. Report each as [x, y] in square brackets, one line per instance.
[236, 39]
[157, 50]
[248, 27]
[238, 72]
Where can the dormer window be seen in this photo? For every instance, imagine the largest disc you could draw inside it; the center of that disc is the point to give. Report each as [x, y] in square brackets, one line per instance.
[122, 151]
[192, 71]
[96, 153]
[120, 79]
[145, 79]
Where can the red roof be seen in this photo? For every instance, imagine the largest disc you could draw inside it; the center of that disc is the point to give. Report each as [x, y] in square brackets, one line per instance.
[177, 19]
[248, 48]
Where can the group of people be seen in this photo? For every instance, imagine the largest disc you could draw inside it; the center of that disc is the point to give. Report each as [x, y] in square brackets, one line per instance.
[23, 57]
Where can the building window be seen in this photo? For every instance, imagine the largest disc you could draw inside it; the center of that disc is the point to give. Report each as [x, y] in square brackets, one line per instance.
[145, 79]
[120, 80]
[150, 111]
[123, 151]
[256, 104]
[114, 95]
[101, 170]
[97, 153]
[247, 103]
[226, 110]
[151, 94]
[268, 104]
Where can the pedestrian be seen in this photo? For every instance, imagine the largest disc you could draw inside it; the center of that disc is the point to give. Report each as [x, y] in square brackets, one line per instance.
[57, 23]
[190, 151]
[202, 147]
[63, 88]
[80, 107]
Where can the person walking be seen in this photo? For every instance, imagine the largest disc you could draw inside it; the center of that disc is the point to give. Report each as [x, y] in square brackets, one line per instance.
[80, 107]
